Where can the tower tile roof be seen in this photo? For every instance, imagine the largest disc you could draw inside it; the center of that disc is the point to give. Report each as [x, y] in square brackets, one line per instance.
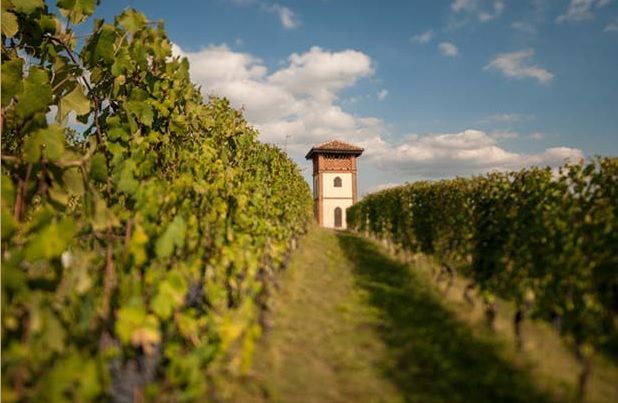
[334, 146]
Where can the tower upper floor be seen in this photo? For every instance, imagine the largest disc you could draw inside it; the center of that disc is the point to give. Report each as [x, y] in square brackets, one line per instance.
[333, 156]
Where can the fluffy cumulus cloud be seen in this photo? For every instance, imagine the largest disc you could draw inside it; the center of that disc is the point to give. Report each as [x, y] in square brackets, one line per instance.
[581, 10]
[448, 49]
[321, 73]
[467, 152]
[517, 65]
[298, 105]
[423, 37]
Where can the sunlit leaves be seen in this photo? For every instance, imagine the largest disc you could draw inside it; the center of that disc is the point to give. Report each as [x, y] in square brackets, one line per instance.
[138, 233]
[137, 245]
[171, 295]
[137, 327]
[51, 240]
[98, 168]
[36, 94]
[27, 6]
[77, 10]
[74, 101]
[47, 142]
[173, 236]
[9, 224]
[132, 20]
[11, 79]
[125, 178]
[141, 110]
[528, 236]
[9, 24]
[100, 47]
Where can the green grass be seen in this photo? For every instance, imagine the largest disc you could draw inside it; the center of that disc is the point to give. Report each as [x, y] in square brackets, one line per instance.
[349, 323]
[323, 345]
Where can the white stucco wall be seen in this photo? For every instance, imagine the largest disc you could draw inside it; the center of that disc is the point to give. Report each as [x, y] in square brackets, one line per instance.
[329, 189]
[329, 206]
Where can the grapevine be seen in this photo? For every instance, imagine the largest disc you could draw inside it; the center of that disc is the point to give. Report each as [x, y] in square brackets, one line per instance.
[546, 240]
[134, 251]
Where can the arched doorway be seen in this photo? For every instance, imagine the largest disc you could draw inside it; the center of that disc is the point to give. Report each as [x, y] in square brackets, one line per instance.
[338, 217]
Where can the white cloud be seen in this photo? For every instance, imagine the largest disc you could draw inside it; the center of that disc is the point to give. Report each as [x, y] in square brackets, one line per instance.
[286, 16]
[467, 152]
[504, 134]
[479, 9]
[382, 94]
[380, 187]
[460, 5]
[298, 102]
[581, 10]
[422, 38]
[505, 118]
[298, 105]
[524, 27]
[537, 136]
[612, 26]
[321, 73]
[515, 65]
[498, 8]
[448, 49]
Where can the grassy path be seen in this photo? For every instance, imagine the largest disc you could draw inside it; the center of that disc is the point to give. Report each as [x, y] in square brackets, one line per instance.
[349, 324]
[323, 346]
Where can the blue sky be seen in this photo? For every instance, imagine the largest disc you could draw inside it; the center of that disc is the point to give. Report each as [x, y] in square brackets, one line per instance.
[430, 88]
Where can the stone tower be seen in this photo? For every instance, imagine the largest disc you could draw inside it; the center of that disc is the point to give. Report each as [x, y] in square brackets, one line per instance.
[334, 181]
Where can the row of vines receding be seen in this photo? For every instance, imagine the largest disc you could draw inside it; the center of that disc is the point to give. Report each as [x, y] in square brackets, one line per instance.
[140, 223]
[547, 240]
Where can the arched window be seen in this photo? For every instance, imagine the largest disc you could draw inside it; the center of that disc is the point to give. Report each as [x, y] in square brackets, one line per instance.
[337, 182]
[337, 217]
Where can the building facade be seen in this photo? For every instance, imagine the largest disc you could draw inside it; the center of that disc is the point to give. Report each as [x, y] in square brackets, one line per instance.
[334, 181]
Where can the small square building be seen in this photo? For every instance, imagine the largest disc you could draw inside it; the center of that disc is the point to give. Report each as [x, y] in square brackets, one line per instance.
[334, 181]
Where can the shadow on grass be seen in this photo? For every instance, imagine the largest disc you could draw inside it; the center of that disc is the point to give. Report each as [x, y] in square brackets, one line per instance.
[431, 356]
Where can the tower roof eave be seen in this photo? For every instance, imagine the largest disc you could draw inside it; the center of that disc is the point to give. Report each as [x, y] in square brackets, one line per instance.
[335, 146]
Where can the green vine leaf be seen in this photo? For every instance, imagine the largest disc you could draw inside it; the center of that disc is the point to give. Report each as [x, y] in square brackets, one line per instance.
[47, 142]
[77, 10]
[28, 6]
[9, 24]
[171, 295]
[173, 236]
[98, 168]
[11, 80]
[74, 101]
[36, 94]
[104, 49]
[51, 241]
[132, 20]
[144, 228]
